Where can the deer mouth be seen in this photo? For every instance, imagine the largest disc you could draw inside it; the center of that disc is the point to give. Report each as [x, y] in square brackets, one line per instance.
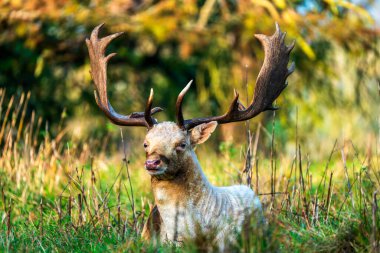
[156, 171]
[155, 167]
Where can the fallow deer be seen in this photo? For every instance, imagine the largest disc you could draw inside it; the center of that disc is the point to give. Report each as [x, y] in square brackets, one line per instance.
[185, 201]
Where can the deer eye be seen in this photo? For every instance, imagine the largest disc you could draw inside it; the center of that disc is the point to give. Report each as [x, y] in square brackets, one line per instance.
[145, 145]
[181, 146]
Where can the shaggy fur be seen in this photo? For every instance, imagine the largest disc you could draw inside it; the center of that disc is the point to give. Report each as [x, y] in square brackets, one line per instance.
[186, 203]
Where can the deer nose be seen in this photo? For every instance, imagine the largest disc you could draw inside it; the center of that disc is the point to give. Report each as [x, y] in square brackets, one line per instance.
[152, 164]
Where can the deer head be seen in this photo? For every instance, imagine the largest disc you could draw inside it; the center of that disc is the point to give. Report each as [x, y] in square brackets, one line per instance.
[168, 145]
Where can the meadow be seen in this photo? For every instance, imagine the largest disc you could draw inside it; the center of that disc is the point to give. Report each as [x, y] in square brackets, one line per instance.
[62, 196]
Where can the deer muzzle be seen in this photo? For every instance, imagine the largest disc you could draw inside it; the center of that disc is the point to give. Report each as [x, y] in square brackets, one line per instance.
[152, 164]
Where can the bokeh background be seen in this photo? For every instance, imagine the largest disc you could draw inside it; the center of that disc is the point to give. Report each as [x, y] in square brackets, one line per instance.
[333, 92]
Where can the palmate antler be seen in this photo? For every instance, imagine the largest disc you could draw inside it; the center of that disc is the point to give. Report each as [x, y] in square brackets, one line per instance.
[96, 49]
[270, 82]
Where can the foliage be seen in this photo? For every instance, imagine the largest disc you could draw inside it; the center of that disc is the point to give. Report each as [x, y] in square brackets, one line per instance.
[167, 43]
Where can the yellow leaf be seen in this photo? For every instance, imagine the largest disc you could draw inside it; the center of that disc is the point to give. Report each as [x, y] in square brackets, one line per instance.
[280, 3]
[270, 8]
[290, 18]
[21, 29]
[306, 48]
[39, 66]
[16, 3]
[333, 6]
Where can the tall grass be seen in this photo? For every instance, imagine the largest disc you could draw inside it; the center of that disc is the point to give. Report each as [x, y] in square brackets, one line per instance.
[51, 194]
[62, 196]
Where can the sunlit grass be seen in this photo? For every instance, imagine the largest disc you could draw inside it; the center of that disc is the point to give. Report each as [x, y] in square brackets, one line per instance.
[58, 195]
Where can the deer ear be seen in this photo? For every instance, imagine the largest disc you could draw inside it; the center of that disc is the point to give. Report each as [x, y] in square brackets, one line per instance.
[201, 133]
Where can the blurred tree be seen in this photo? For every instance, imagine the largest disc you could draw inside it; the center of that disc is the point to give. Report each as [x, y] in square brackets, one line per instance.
[167, 43]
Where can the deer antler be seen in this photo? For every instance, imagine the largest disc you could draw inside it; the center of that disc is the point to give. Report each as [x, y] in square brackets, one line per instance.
[96, 49]
[270, 82]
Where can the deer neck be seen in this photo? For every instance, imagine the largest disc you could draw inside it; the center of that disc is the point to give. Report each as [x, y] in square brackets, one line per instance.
[190, 185]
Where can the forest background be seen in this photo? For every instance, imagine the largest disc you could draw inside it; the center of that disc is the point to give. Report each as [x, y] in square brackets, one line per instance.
[168, 43]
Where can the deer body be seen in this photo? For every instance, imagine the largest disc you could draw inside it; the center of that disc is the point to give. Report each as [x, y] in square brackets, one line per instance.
[186, 201]
[219, 210]
[187, 205]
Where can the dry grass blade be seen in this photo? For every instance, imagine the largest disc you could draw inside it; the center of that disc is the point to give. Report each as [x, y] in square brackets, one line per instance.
[41, 225]
[272, 166]
[325, 170]
[329, 192]
[22, 119]
[255, 159]
[132, 199]
[375, 238]
[5, 119]
[303, 188]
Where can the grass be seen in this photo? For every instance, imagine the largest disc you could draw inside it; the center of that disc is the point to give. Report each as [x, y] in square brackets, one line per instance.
[59, 196]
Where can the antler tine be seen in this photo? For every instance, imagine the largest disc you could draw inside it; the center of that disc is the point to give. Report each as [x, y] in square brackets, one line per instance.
[235, 105]
[96, 49]
[147, 114]
[178, 106]
[270, 82]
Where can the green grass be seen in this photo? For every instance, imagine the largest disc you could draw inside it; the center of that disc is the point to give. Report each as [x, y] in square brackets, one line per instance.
[59, 196]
